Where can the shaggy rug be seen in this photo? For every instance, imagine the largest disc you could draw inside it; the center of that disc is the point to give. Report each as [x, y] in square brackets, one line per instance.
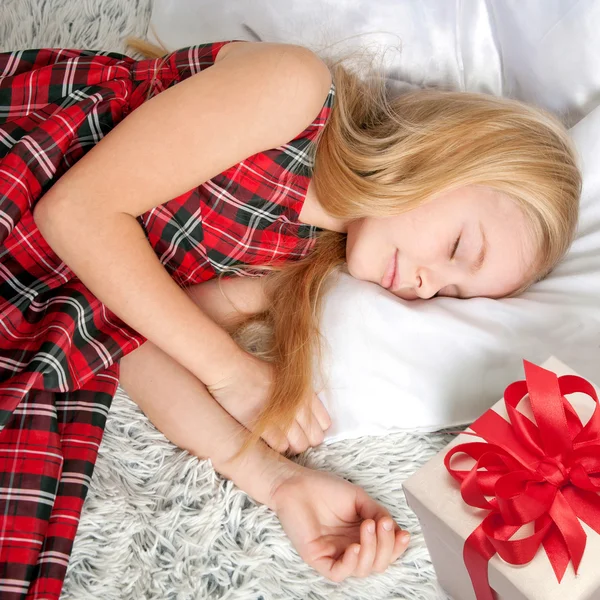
[160, 524]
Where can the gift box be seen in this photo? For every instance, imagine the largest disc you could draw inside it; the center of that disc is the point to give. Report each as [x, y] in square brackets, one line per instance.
[510, 509]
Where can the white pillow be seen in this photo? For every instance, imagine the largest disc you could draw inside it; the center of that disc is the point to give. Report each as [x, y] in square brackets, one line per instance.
[396, 364]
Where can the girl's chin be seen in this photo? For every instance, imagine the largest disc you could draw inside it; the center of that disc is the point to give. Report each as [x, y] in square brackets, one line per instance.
[355, 271]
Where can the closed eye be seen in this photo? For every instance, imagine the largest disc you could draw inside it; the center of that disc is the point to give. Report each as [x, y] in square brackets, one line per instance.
[455, 248]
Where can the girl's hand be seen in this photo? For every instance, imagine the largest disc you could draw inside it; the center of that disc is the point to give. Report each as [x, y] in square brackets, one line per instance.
[244, 394]
[327, 518]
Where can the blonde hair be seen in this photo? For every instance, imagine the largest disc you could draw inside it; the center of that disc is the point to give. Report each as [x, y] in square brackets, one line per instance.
[379, 156]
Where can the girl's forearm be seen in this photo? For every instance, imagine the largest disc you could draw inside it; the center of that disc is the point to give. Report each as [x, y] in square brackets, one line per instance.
[226, 300]
[180, 406]
[111, 255]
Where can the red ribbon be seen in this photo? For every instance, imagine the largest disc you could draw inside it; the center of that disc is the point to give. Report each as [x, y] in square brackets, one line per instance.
[545, 473]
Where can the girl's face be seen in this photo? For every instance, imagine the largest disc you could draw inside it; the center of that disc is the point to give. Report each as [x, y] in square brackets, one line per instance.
[472, 241]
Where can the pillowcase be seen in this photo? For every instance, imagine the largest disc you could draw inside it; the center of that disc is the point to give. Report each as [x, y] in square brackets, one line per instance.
[426, 364]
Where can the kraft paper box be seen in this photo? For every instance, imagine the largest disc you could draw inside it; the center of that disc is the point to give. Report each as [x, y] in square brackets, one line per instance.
[447, 521]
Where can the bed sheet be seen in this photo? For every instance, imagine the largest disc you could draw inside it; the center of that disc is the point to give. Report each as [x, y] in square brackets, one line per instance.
[546, 51]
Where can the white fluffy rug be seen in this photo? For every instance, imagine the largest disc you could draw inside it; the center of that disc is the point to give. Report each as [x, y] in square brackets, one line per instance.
[158, 523]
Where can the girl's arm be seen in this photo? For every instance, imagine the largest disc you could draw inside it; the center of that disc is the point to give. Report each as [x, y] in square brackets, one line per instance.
[256, 98]
[180, 406]
[226, 300]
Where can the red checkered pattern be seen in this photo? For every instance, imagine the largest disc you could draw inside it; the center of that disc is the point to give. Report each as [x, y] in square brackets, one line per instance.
[60, 346]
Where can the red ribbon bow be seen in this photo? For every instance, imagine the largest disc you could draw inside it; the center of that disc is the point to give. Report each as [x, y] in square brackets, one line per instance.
[545, 473]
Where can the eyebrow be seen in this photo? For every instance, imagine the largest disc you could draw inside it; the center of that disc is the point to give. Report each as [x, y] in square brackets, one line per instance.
[476, 266]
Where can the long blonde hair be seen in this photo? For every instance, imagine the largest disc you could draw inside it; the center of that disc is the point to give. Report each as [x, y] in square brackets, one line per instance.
[379, 156]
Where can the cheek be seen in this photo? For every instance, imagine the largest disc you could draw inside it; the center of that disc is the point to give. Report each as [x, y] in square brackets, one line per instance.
[353, 250]
[362, 250]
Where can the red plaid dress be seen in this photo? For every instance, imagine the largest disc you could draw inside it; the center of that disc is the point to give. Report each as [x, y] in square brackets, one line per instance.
[59, 345]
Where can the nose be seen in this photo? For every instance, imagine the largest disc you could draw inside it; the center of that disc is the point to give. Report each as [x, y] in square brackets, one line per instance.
[425, 284]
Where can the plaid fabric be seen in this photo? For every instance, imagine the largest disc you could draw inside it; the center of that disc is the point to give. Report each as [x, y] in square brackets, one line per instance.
[59, 346]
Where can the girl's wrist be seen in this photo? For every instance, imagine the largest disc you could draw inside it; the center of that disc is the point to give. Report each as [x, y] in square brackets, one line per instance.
[220, 359]
[259, 472]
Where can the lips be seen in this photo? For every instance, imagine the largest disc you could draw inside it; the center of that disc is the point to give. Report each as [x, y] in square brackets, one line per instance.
[389, 276]
[396, 280]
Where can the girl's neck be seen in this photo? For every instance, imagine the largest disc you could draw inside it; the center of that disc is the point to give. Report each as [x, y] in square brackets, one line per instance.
[312, 213]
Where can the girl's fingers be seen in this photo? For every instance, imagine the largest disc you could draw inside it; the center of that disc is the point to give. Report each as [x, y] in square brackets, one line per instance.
[385, 545]
[321, 414]
[311, 427]
[368, 549]
[315, 435]
[297, 438]
[349, 564]
[346, 564]
[276, 440]
[400, 544]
